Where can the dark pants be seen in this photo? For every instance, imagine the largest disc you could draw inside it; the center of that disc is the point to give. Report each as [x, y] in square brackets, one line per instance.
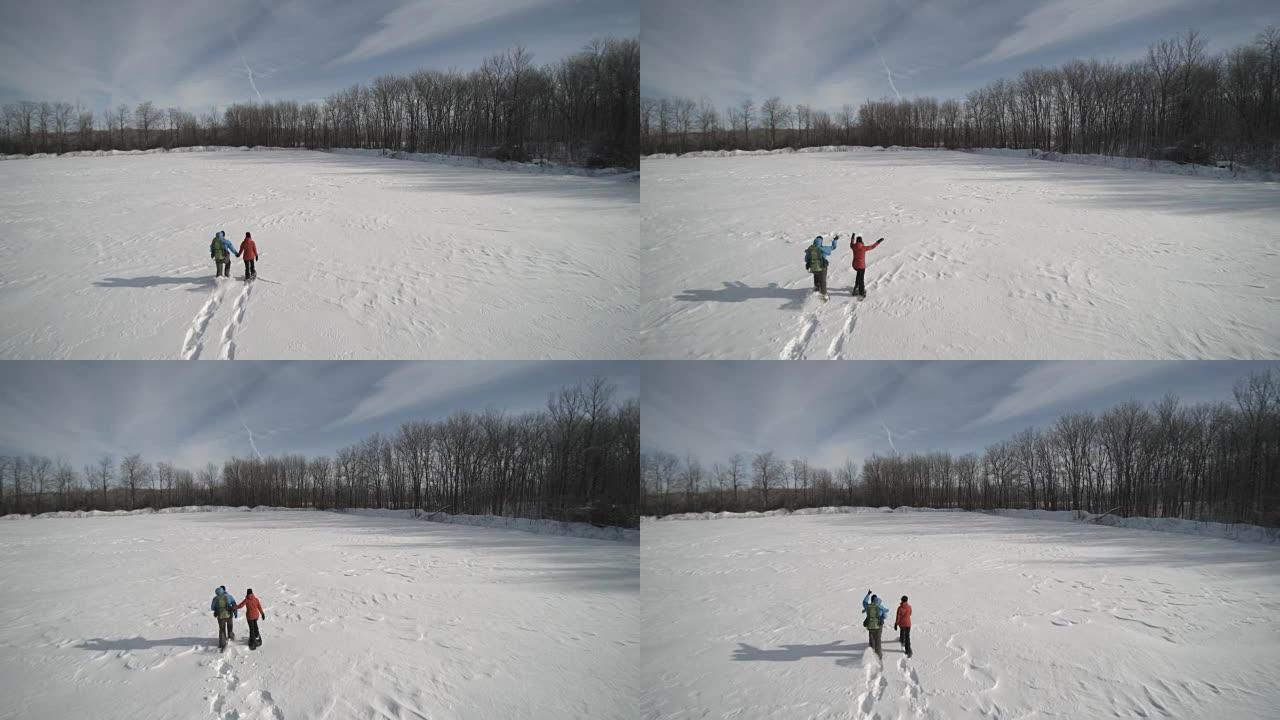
[874, 640]
[249, 270]
[904, 637]
[858, 288]
[222, 268]
[224, 631]
[254, 637]
[820, 281]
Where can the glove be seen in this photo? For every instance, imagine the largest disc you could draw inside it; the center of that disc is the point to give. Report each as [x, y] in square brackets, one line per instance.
[895, 627]
[264, 616]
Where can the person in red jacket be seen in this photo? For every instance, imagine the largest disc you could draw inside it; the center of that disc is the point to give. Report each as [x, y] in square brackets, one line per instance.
[860, 262]
[249, 251]
[254, 614]
[902, 623]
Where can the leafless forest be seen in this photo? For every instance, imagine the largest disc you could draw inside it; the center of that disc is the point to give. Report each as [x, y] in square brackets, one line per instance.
[1178, 103]
[1213, 461]
[582, 110]
[578, 460]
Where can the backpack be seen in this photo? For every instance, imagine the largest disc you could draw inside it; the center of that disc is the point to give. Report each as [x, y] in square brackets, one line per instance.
[813, 259]
[222, 604]
[217, 250]
[873, 612]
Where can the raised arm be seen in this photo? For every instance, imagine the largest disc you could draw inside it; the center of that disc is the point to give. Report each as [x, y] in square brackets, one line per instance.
[866, 601]
[876, 245]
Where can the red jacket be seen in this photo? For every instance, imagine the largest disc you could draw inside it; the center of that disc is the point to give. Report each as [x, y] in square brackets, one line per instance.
[249, 249]
[255, 608]
[904, 615]
[860, 254]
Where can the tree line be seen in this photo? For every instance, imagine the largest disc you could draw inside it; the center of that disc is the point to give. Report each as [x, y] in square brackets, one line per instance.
[1178, 102]
[577, 460]
[582, 110]
[1205, 461]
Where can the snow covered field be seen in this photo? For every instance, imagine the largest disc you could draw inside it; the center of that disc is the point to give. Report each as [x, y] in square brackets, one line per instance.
[984, 257]
[362, 257]
[366, 618]
[1012, 618]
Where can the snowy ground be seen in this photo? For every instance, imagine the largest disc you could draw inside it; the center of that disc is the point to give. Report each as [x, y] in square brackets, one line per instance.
[1013, 618]
[985, 257]
[366, 618]
[362, 257]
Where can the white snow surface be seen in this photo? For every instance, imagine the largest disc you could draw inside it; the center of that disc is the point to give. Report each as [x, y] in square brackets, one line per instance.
[1012, 618]
[365, 617]
[539, 526]
[985, 256]
[1226, 531]
[361, 258]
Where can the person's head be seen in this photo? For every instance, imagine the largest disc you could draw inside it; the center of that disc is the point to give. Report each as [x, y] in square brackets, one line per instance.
[247, 236]
[817, 240]
[218, 591]
[222, 233]
[875, 599]
[250, 592]
[904, 598]
[858, 239]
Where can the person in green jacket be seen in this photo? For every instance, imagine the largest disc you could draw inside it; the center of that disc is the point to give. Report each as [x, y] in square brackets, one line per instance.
[874, 622]
[221, 251]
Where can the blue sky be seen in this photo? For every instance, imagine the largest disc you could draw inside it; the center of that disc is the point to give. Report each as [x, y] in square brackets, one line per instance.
[198, 54]
[829, 411]
[191, 413]
[829, 53]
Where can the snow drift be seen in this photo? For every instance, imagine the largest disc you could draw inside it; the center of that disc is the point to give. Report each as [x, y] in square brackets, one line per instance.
[544, 167]
[1234, 171]
[1240, 532]
[537, 526]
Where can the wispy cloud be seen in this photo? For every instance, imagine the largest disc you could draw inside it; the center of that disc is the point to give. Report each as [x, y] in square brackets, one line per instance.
[422, 22]
[191, 414]
[1060, 22]
[826, 54]
[198, 55]
[827, 412]
[1046, 385]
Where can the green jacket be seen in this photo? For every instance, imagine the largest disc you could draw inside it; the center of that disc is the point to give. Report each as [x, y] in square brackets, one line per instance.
[223, 606]
[875, 613]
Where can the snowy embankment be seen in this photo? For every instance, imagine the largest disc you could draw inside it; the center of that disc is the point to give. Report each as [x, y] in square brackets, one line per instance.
[1225, 531]
[984, 257]
[1011, 618]
[360, 258]
[1234, 171]
[543, 167]
[365, 617]
[538, 526]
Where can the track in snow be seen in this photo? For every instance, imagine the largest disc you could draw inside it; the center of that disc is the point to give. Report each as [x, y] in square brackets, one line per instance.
[983, 257]
[1012, 618]
[193, 343]
[376, 258]
[366, 617]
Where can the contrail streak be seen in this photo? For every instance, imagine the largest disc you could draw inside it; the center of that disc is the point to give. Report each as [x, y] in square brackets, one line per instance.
[889, 432]
[244, 62]
[245, 425]
[885, 65]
